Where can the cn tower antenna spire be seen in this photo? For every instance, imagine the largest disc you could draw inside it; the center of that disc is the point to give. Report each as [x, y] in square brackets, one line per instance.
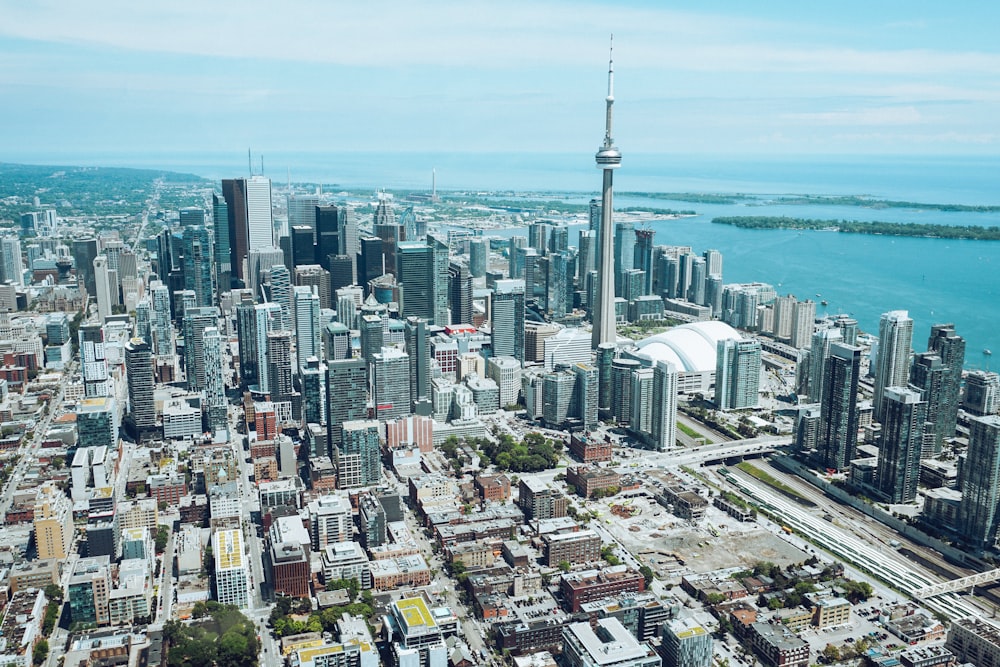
[608, 141]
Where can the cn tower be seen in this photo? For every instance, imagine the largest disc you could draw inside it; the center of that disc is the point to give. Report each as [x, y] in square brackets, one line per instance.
[608, 158]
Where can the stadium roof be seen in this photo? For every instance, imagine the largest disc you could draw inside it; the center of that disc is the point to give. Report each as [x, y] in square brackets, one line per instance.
[690, 347]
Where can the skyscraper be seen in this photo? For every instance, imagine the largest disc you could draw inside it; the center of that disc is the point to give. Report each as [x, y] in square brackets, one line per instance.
[737, 374]
[479, 250]
[903, 417]
[460, 293]
[281, 292]
[803, 318]
[347, 395]
[141, 420]
[358, 457]
[819, 351]
[414, 274]
[303, 248]
[302, 210]
[216, 406]
[892, 365]
[163, 339]
[608, 159]
[663, 431]
[838, 435]
[390, 373]
[11, 263]
[927, 376]
[507, 319]
[307, 328]
[977, 514]
[419, 351]
[951, 348]
[222, 251]
[248, 204]
[279, 366]
[84, 252]
[369, 261]
[199, 275]
[102, 284]
[196, 320]
[624, 253]
[93, 361]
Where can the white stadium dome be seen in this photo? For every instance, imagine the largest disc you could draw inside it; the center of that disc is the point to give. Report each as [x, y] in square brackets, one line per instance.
[690, 347]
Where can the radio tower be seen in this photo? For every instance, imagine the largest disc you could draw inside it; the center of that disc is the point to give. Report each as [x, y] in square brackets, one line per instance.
[608, 159]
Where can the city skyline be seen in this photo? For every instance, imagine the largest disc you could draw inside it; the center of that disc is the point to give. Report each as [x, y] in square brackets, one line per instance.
[779, 79]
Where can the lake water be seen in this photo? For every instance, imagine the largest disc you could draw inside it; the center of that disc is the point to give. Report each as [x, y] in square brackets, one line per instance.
[936, 280]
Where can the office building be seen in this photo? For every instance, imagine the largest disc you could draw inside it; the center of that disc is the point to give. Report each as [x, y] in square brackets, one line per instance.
[838, 434]
[606, 644]
[737, 374]
[221, 251]
[978, 512]
[479, 250]
[390, 377]
[892, 365]
[903, 417]
[460, 293]
[507, 319]
[248, 207]
[231, 573]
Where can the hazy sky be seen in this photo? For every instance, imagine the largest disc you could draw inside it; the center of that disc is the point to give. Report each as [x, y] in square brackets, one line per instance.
[691, 77]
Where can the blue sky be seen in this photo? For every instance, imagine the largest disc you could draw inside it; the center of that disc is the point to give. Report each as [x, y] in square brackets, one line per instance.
[712, 78]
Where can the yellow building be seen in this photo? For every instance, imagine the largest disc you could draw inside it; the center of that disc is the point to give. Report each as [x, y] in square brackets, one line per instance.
[53, 523]
[831, 612]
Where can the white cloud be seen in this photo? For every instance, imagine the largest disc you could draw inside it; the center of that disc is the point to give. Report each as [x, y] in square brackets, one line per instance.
[457, 33]
[907, 115]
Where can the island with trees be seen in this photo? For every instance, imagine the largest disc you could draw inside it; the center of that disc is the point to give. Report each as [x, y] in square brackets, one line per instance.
[913, 229]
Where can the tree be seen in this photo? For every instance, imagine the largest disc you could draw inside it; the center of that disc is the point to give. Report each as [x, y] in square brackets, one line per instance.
[162, 535]
[40, 652]
[564, 566]
[647, 573]
[831, 653]
[53, 592]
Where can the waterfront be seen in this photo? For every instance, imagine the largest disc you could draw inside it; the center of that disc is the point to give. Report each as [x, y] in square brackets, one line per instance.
[935, 279]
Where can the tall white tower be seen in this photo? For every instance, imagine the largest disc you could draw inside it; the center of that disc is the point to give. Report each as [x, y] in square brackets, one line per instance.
[608, 159]
[103, 282]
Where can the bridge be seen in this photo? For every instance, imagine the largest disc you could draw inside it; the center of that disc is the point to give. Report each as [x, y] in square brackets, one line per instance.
[718, 452]
[957, 584]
